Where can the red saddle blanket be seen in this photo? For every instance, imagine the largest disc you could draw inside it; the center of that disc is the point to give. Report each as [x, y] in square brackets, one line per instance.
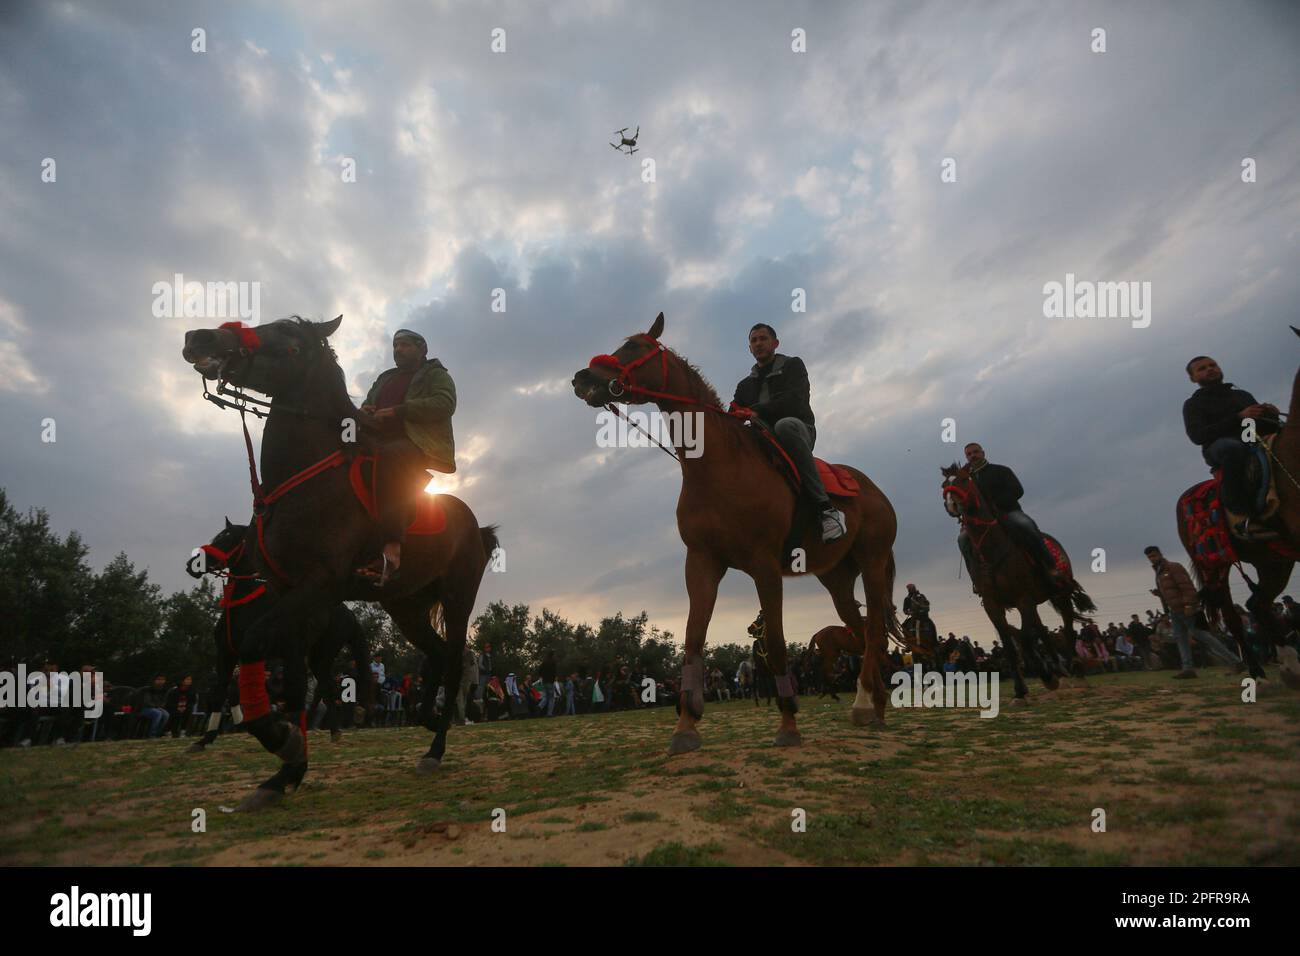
[1205, 518]
[1059, 556]
[430, 518]
[836, 478]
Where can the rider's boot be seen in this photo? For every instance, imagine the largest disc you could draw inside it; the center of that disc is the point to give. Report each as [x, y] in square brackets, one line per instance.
[833, 525]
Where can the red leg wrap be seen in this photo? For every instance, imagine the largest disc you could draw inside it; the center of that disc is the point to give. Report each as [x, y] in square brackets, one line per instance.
[253, 698]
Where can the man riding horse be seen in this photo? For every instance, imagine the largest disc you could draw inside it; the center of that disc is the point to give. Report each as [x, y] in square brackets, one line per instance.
[1213, 417]
[1001, 488]
[776, 393]
[408, 409]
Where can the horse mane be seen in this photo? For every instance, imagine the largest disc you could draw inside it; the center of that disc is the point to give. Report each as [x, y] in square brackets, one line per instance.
[950, 471]
[336, 381]
[696, 378]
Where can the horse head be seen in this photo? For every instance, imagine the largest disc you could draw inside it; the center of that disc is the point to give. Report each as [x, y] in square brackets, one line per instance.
[957, 488]
[628, 373]
[273, 359]
[222, 552]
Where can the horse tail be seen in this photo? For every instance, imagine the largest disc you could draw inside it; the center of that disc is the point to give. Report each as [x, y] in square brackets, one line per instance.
[1080, 600]
[490, 540]
[891, 612]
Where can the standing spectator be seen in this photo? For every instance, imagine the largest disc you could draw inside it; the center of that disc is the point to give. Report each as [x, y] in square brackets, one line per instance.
[377, 670]
[597, 694]
[548, 683]
[1139, 635]
[150, 703]
[484, 671]
[1175, 589]
[180, 704]
[468, 678]
[570, 689]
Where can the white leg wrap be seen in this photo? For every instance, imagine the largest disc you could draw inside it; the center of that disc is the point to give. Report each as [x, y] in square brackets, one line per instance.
[237, 714]
[214, 720]
[864, 700]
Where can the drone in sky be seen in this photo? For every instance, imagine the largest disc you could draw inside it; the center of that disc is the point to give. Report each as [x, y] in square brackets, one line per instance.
[630, 143]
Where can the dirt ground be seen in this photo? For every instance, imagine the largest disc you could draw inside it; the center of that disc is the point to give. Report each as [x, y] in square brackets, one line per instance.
[1185, 773]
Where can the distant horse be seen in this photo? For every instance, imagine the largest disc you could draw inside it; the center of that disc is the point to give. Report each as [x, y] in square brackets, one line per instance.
[314, 529]
[1007, 579]
[736, 510]
[244, 599]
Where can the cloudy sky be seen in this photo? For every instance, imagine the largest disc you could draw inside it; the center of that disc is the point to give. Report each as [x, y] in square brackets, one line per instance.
[773, 170]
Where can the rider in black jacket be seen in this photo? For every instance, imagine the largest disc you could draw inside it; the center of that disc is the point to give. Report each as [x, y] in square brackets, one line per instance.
[1000, 487]
[1213, 419]
[776, 392]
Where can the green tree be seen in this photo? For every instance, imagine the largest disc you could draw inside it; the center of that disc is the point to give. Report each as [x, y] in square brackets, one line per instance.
[43, 585]
[120, 630]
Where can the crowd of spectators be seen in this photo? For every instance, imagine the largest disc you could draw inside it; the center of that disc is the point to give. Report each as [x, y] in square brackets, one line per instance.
[174, 707]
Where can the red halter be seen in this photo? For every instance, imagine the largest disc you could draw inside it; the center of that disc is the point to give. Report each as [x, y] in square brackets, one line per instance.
[624, 377]
[248, 337]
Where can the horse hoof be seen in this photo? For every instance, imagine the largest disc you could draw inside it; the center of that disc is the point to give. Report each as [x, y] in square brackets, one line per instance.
[195, 748]
[863, 716]
[335, 736]
[427, 766]
[788, 738]
[1019, 701]
[683, 743]
[259, 799]
[1053, 684]
[294, 749]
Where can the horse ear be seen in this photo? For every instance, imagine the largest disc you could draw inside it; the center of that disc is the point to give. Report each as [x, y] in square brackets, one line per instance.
[657, 329]
[228, 524]
[1295, 330]
[326, 329]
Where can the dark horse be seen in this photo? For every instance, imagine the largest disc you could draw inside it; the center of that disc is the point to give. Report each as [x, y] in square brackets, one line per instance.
[1007, 579]
[735, 510]
[1273, 560]
[244, 599]
[311, 531]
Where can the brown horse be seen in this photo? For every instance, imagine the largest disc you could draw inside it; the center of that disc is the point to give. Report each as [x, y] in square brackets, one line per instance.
[735, 510]
[1272, 560]
[308, 539]
[1007, 579]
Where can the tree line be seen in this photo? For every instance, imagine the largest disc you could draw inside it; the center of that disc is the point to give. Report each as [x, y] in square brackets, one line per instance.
[53, 606]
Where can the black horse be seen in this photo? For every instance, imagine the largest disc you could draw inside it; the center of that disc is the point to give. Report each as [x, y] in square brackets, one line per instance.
[244, 599]
[313, 530]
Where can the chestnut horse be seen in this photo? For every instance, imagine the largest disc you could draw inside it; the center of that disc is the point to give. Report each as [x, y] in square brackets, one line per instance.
[1272, 560]
[1007, 579]
[735, 510]
[312, 531]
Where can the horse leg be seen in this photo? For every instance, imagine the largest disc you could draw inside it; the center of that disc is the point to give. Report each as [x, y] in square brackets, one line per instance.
[874, 564]
[300, 611]
[840, 582]
[216, 697]
[411, 615]
[767, 580]
[1273, 578]
[1032, 626]
[703, 573]
[998, 616]
[1066, 662]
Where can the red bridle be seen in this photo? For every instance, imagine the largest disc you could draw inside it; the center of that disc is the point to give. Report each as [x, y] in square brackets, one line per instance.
[966, 518]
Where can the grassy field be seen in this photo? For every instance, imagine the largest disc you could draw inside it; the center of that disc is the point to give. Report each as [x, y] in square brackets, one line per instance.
[1186, 774]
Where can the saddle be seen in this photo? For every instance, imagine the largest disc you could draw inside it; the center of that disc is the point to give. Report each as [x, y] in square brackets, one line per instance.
[430, 518]
[1213, 530]
[839, 483]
